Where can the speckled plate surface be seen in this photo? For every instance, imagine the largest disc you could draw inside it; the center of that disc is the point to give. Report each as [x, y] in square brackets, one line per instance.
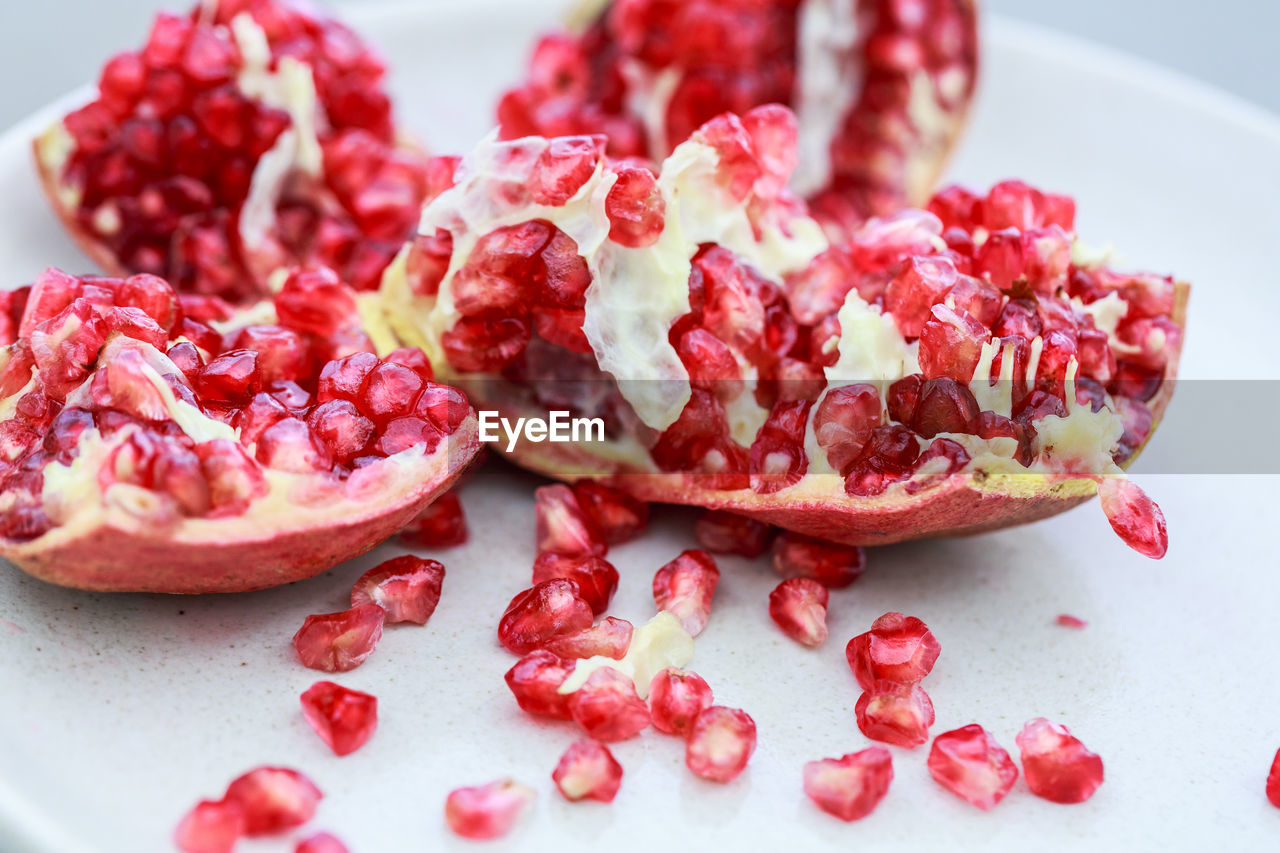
[118, 712]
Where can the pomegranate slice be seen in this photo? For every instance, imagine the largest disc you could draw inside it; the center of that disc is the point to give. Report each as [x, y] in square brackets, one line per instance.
[608, 708]
[321, 842]
[881, 90]
[934, 372]
[898, 648]
[720, 744]
[535, 682]
[849, 787]
[407, 588]
[799, 607]
[676, 698]
[244, 137]
[894, 713]
[1056, 765]
[441, 525]
[338, 642]
[273, 799]
[685, 586]
[146, 450]
[484, 812]
[212, 826]
[345, 719]
[970, 764]
[588, 771]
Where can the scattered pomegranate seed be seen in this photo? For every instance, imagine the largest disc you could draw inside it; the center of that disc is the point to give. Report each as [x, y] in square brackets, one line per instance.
[897, 648]
[274, 799]
[535, 681]
[610, 637]
[212, 826]
[407, 588]
[676, 698]
[337, 642]
[723, 532]
[596, 577]
[608, 707]
[849, 787]
[970, 764]
[833, 566]
[685, 587]
[543, 611]
[1066, 620]
[343, 718]
[1056, 765]
[799, 607]
[1273, 781]
[441, 525]
[563, 526]
[615, 515]
[321, 842]
[484, 812]
[588, 771]
[1134, 517]
[720, 743]
[894, 713]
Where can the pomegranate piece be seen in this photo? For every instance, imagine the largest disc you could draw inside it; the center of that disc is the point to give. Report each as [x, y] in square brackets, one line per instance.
[1273, 782]
[407, 588]
[608, 708]
[273, 799]
[1134, 517]
[833, 566]
[596, 578]
[970, 764]
[894, 713]
[725, 533]
[321, 842]
[799, 607]
[676, 698]
[1056, 765]
[588, 771]
[535, 682]
[610, 638]
[338, 642]
[548, 609]
[685, 586]
[720, 744]
[615, 516]
[849, 787]
[1066, 620]
[563, 526]
[441, 525]
[212, 826]
[485, 812]
[898, 648]
[345, 719]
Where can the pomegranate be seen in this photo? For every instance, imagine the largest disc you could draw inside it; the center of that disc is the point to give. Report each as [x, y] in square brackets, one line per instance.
[676, 698]
[881, 89]
[407, 588]
[970, 764]
[720, 744]
[588, 771]
[942, 371]
[895, 713]
[244, 137]
[441, 525]
[338, 642]
[546, 610]
[898, 648]
[685, 586]
[344, 718]
[799, 607]
[1056, 765]
[849, 787]
[164, 444]
[484, 812]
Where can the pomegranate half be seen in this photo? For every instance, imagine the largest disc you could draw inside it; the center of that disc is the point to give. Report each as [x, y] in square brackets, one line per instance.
[157, 444]
[949, 370]
[244, 138]
[880, 87]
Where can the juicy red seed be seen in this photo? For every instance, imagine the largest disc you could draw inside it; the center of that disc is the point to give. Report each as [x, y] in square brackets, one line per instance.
[390, 391]
[407, 588]
[1056, 765]
[723, 532]
[588, 771]
[563, 526]
[535, 680]
[833, 566]
[1066, 620]
[567, 163]
[849, 787]
[441, 525]
[799, 607]
[1273, 782]
[676, 698]
[897, 648]
[608, 708]
[610, 638]
[274, 799]
[844, 421]
[345, 719]
[615, 515]
[970, 764]
[414, 359]
[894, 713]
[321, 842]
[596, 578]
[720, 743]
[232, 377]
[484, 812]
[212, 826]
[945, 405]
[341, 427]
[289, 445]
[315, 301]
[923, 282]
[545, 610]
[1135, 518]
[282, 353]
[485, 344]
[337, 642]
[343, 378]
[635, 207]
[685, 587]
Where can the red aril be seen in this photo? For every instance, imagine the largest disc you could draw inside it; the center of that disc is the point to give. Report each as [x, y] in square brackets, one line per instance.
[338, 642]
[273, 799]
[894, 713]
[676, 698]
[407, 588]
[897, 648]
[535, 681]
[720, 744]
[849, 787]
[607, 707]
[970, 764]
[799, 607]
[321, 842]
[212, 826]
[833, 566]
[1056, 765]
[588, 771]
[1134, 516]
[441, 525]
[485, 812]
[345, 719]
[563, 527]
[596, 578]
[546, 610]
[725, 533]
[1066, 620]
[1273, 782]
[685, 587]
[615, 515]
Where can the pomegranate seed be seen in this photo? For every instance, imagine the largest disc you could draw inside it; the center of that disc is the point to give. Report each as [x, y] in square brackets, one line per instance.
[484, 812]
[607, 706]
[274, 799]
[894, 713]
[596, 578]
[588, 771]
[685, 587]
[545, 610]
[970, 764]
[799, 607]
[1066, 620]
[723, 532]
[844, 421]
[563, 527]
[441, 525]
[897, 648]
[1056, 765]
[849, 787]
[610, 638]
[676, 698]
[922, 283]
[343, 718]
[314, 301]
[833, 566]
[213, 826]
[535, 681]
[407, 588]
[1273, 782]
[338, 642]
[720, 743]
[615, 515]
[635, 208]
[321, 842]
[1134, 517]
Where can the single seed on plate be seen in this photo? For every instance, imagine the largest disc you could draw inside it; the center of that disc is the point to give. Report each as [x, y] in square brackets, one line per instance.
[851, 786]
[1056, 765]
[970, 764]
[484, 812]
[344, 718]
[720, 744]
[588, 771]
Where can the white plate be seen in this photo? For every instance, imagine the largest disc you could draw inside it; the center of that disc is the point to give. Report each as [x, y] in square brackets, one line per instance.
[120, 711]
